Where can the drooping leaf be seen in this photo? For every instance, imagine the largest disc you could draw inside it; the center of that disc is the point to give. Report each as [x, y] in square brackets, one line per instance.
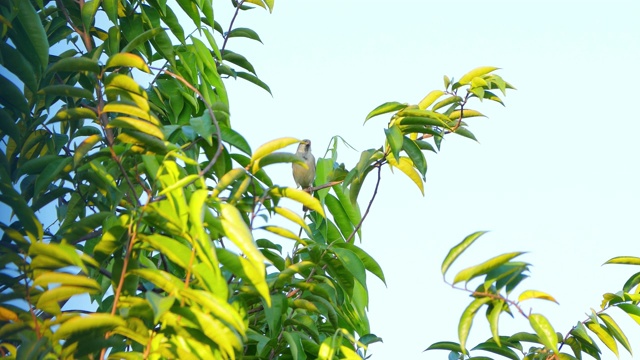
[466, 320]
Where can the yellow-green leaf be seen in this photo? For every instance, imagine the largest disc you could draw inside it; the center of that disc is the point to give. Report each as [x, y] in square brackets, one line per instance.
[455, 115]
[466, 320]
[483, 268]
[125, 108]
[128, 60]
[406, 166]
[300, 196]
[430, 99]
[180, 183]
[480, 71]
[143, 126]
[535, 294]
[603, 335]
[83, 324]
[626, 260]
[288, 214]
[60, 278]
[272, 146]
[238, 232]
[385, 108]
[459, 249]
[545, 331]
[84, 147]
[616, 331]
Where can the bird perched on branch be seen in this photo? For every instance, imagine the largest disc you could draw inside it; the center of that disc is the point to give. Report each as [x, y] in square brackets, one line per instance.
[304, 177]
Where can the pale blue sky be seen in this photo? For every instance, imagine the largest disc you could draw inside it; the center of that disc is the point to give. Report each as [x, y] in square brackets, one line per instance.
[554, 172]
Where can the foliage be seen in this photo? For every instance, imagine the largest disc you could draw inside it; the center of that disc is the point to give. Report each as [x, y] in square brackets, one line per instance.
[497, 280]
[128, 186]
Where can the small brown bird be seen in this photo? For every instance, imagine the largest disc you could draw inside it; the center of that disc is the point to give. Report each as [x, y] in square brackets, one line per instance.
[304, 177]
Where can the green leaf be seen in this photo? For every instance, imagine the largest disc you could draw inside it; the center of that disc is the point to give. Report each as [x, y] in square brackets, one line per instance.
[415, 154]
[254, 80]
[483, 268]
[480, 71]
[279, 158]
[466, 320]
[545, 331]
[237, 59]
[631, 309]
[339, 215]
[140, 39]
[462, 131]
[75, 64]
[394, 139]
[244, 32]
[497, 349]
[67, 90]
[295, 345]
[352, 263]
[275, 312]
[176, 251]
[33, 28]
[11, 96]
[17, 64]
[459, 249]
[369, 262]
[235, 139]
[445, 345]
[385, 108]
[625, 260]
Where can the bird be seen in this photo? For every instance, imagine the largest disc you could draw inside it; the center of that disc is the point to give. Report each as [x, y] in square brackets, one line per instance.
[304, 177]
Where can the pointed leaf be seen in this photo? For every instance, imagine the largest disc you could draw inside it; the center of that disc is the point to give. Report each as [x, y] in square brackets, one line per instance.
[430, 99]
[385, 108]
[459, 249]
[466, 320]
[535, 294]
[483, 70]
[483, 268]
[545, 331]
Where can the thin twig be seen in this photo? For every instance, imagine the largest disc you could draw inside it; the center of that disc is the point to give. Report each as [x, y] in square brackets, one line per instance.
[375, 192]
[233, 19]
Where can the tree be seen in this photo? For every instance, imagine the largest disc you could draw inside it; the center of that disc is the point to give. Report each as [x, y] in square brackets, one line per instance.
[127, 183]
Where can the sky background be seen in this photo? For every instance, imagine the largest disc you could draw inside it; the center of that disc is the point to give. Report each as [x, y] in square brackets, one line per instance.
[554, 172]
